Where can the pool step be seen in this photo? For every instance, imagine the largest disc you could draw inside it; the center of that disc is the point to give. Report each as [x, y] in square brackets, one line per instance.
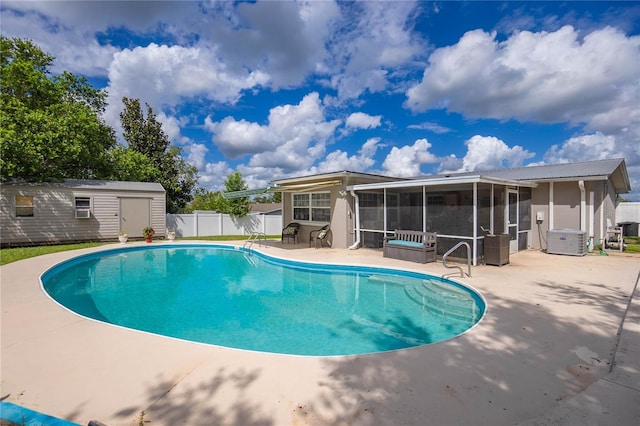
[456, 306]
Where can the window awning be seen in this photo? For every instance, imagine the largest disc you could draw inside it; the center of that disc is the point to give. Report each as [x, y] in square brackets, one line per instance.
[305, 186]
[301, 187]
[245, 193]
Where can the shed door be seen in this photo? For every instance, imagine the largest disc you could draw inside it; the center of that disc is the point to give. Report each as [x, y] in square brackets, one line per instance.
[135, 214]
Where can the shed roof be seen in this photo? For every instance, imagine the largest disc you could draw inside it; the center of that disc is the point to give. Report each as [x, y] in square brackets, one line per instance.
[110, 185]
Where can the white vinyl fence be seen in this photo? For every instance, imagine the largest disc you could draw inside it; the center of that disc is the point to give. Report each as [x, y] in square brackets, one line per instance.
[206, 224]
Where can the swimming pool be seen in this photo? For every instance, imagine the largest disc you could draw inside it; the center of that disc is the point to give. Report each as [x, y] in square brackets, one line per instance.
[228, 296]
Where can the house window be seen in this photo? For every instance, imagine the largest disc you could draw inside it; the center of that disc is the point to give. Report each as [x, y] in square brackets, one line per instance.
[314, 207]
[83, 207]
[24, 206]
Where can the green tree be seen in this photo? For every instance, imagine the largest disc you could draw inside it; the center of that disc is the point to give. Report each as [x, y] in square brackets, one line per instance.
[146, 137]
[50, 126]
[275, 197]
[238, 206]
[206, 200]
[132, 165]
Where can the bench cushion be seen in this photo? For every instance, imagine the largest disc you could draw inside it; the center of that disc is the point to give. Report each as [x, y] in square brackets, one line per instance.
[405, 243]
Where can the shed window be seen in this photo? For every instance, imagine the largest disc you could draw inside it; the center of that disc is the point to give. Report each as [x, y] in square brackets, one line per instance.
[24, 205]
[83, 203]
[313, 206]
[83, 207]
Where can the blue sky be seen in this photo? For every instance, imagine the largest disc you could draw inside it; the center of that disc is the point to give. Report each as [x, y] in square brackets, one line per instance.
[280, 89]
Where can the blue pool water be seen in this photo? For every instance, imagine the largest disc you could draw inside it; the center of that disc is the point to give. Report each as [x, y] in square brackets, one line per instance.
[231, 297]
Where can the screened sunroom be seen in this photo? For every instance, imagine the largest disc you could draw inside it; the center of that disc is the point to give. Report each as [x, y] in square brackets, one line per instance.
[456, 208]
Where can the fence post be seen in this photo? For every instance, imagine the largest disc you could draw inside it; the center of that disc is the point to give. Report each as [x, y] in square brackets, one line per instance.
[195, 224]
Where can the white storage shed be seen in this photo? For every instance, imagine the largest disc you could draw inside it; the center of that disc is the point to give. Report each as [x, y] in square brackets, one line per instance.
[79, 210]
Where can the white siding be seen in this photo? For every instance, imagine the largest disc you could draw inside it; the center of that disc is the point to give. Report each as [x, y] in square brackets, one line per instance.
[628, 212]
[54, 214]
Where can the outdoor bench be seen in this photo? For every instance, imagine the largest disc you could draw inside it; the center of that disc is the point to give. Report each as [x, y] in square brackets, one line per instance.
[414, 246]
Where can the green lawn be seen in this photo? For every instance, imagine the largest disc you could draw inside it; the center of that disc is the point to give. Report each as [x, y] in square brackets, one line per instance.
[632, 244]
[9, 255]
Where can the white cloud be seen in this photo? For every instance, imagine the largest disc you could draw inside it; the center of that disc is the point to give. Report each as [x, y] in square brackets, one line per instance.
[339, 160]
[370, 39]
[432, 127]
[284, 39]
[196, 155]
[547, 77]
[162, 75]
[57, 40]
[68, 29]
[360, 120]
[406, 161]
[212, 175]
[294, 138]
[583, 148]
[487, 153]
[171, 126]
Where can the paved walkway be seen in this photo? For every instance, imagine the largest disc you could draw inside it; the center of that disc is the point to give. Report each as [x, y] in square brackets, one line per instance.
[541, 356]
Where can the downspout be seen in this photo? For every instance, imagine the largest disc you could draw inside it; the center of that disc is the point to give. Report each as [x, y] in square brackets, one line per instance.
[551, 208]
[592, 214]
[356, 244]
[583, 206]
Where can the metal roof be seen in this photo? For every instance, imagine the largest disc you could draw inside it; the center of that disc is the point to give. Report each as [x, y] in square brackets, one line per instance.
[589, 170]
[440, 180]
[524, 176]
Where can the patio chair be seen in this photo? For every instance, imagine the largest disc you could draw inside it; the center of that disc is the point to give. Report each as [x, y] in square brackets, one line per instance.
[320, 235]
[290, 232]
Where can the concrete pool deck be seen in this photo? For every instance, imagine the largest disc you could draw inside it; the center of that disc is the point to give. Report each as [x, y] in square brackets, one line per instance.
[541, 356]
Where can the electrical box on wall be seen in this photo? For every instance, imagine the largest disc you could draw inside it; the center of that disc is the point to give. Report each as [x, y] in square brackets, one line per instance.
[539, 216]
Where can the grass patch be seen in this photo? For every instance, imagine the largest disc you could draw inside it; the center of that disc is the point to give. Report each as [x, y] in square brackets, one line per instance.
[227, 238]
[9, 255]
[632, 244]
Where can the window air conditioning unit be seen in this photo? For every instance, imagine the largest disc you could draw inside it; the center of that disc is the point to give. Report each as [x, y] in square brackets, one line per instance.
[83, 214]
[567, 241]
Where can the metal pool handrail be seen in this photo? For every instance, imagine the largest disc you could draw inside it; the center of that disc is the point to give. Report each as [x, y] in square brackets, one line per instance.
[255, 236]
[444, 259]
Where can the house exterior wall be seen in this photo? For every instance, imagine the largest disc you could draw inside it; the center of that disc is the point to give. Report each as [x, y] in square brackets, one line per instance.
[567, 209]
[342, 225]
[566, 205]
[343, 221]
[341, 235]
[540, 203]
[54, 218]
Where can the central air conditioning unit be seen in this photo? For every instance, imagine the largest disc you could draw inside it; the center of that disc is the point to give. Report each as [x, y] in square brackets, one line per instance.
[83, 214]
[567, 241]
